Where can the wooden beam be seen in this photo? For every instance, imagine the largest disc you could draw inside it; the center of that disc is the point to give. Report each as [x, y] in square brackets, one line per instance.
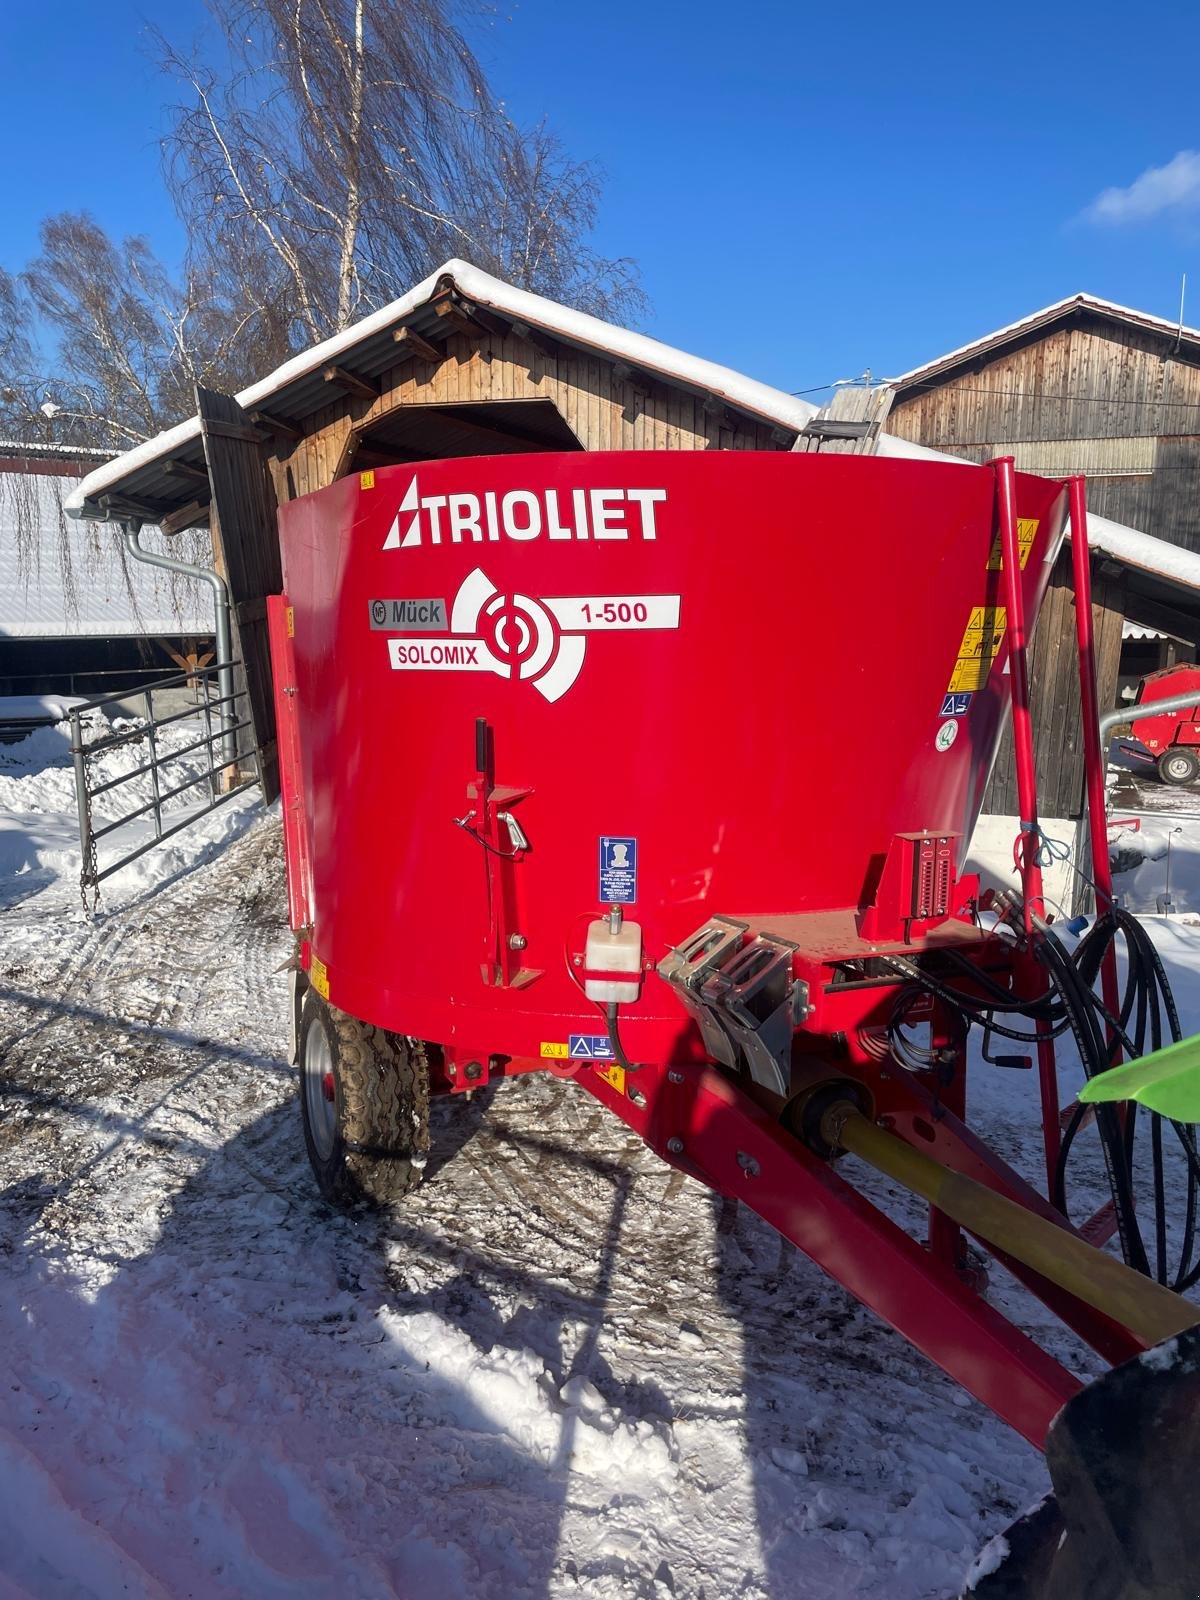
[196, 511]
[121, 506]
[351, 382]
[286, 430]
[455, 318]
[486, 320]
[249, 611]
[232, 430]
[1163, 619]
[185, 469]
[534, 336]
[410, 343]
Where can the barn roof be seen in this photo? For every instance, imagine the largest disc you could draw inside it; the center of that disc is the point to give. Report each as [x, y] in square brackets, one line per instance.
[1074, 307]
[295, 390]
[73, 582]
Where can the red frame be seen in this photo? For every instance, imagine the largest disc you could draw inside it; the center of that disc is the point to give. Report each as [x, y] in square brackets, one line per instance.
[702, 1122]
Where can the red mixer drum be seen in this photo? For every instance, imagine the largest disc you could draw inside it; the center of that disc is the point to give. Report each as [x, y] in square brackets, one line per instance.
[715, 683]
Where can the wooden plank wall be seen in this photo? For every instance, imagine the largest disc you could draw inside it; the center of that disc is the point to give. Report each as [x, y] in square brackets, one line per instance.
[1054, 696]
[604, 410]
[1104, 398]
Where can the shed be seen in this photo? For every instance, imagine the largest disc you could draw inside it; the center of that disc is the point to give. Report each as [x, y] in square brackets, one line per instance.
[1081, 386]
[75, 618]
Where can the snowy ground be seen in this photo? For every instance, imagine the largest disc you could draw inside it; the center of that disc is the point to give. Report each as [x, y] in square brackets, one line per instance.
[562, 1369]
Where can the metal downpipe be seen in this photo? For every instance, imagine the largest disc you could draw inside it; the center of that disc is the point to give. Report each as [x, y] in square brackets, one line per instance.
[220, 591]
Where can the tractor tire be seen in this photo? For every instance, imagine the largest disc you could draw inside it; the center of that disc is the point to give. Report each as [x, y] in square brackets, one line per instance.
[364, 1098]
[1179, 764]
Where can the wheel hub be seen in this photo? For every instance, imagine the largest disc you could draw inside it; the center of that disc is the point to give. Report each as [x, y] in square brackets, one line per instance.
[320, 1090]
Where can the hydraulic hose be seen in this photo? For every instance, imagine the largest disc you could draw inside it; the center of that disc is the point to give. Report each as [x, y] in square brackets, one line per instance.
[1070, 1003]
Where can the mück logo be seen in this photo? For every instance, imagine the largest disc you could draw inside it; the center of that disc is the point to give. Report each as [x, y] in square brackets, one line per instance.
[516, 636]
[522, 514]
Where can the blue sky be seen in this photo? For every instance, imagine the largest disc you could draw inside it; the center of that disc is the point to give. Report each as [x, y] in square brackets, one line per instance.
[809, 191]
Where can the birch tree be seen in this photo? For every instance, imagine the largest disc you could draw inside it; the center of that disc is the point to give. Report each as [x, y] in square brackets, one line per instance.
[351, 147]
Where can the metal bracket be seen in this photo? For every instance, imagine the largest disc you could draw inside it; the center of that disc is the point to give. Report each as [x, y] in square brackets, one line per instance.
[741, 995]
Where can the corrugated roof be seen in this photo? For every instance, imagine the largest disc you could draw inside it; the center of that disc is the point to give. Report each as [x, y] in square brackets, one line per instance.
[37, 598]
[297, 388]
[1038, 319]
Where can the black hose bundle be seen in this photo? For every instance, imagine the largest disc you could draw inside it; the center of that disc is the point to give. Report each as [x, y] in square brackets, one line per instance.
[1071, 1003]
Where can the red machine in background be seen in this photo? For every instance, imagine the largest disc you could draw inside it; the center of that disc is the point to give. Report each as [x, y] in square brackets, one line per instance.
[1172, 738]
[563, 751]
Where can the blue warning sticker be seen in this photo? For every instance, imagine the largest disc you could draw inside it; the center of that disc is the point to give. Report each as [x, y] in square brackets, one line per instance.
[955, 704]
[618, 870]
[590, 1046]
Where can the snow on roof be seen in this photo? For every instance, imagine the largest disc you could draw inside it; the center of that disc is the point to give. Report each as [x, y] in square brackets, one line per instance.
[38, 598]
[1126, 545]
[1074, 302]
[65, 452]
[774, 405]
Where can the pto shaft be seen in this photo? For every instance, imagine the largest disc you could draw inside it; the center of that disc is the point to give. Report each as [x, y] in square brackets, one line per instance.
[1149, 1311]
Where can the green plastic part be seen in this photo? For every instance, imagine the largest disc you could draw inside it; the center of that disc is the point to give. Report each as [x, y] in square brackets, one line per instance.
[1167, 1082]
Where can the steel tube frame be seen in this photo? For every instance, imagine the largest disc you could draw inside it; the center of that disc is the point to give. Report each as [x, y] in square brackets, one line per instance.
[1131, 713]
[1093, 742]
[1022, 726]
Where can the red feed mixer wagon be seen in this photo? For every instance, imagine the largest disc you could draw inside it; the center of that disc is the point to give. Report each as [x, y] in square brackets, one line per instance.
[567, 745]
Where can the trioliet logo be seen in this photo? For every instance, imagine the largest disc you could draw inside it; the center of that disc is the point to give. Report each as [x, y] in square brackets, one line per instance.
[522, 514]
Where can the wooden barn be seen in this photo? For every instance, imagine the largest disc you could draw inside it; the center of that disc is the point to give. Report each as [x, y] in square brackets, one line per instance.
[461, 365]
[1089, 387]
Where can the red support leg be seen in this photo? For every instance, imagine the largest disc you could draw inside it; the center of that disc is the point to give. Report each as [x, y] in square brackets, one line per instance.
[712, 1131]
[1031, 872]
[1093, 752]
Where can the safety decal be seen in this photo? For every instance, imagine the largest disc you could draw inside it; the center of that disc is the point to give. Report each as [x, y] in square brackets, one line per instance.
[554, 1048]
[589, 1047]
[955, 705]
[366, 480]
[981, 641]
[946, 735]
[541, 641]
[319, 977]
[614, 1076]
[1027, 528]
[291, 622]
[618, 871]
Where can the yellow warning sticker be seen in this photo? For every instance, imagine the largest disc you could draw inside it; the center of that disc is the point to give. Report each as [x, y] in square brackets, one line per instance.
[319, 975]
[366, 480]
[1027, 528]
[554, 1049]
[981, 641]
[291, 622]
[614, 1076]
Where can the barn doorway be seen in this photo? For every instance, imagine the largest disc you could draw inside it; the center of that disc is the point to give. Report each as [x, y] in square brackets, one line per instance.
[469, 428]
